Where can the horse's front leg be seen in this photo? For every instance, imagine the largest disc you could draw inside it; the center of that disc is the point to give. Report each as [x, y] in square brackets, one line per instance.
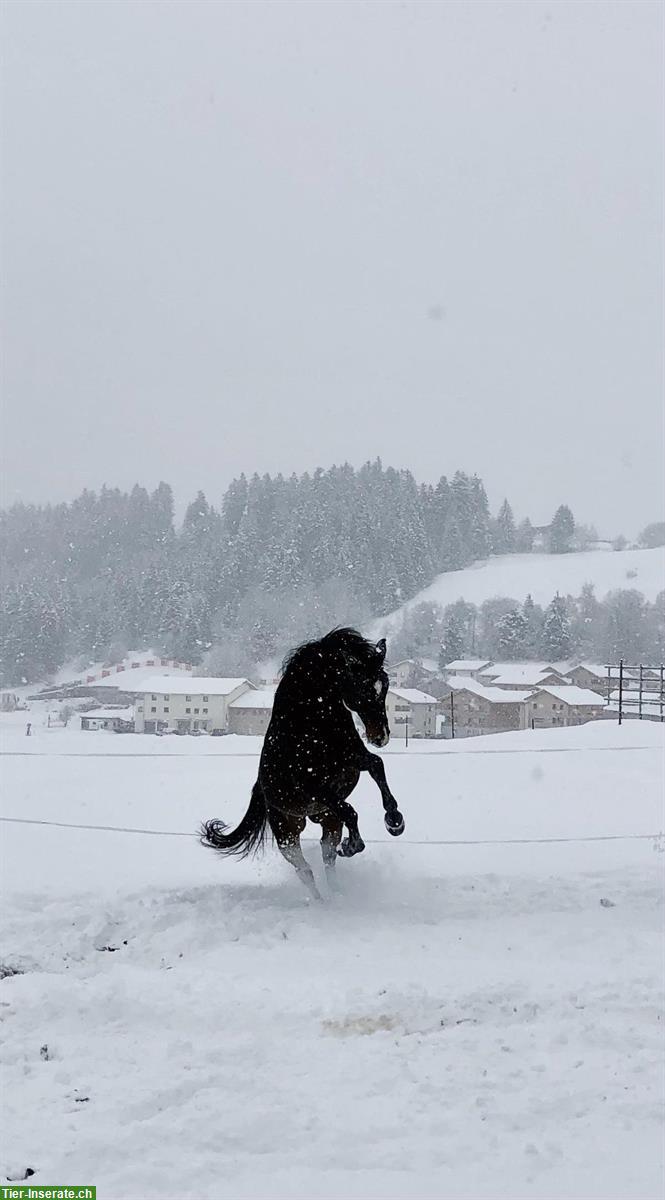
[393, 819]
[346, 814]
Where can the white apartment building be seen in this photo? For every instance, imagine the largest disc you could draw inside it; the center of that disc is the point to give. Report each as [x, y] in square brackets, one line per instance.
[186, 704]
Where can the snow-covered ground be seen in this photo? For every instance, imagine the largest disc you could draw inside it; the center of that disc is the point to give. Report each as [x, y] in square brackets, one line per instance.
[542, 575]
[462, 1020]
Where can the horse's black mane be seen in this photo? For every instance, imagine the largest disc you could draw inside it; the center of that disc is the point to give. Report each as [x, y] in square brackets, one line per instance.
[338, 639]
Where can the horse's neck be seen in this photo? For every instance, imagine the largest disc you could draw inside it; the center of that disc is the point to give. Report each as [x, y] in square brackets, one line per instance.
[307, 687]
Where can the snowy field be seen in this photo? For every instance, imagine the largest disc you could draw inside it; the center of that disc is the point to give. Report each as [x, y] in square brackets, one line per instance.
[475, 1020]
[542, 575]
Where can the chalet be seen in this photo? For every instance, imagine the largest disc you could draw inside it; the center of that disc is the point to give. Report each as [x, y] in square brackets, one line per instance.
[471, 667]
[552, 706]
[186, 704]
[250, 712]
[599, 678]
[402, 673]
[473, 708]
[518, 676]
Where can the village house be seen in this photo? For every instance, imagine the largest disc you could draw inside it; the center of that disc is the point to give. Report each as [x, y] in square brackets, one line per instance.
[250, 712]
[411, 672]
[554, 706]
[119, 720]
[186, 705]
[402, 673]
[411, 711]
[518, 676]
[473, 708]
[469, 667]
[601, 679]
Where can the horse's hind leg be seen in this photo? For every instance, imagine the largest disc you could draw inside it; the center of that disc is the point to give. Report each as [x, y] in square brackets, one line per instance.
[331, 837]
[287, 830]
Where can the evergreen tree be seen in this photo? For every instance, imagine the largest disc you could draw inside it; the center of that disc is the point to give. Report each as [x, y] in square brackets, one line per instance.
[480, 522]
[453, 557]
[562, 531]
[524, 537]
[555, 643]
[453, 645]
[503, 541]
[533, 618]
[624, 627]
[490, 617]
[584, 623]
[512, 633]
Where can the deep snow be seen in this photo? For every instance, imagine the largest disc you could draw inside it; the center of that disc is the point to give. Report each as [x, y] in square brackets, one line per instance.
[461, 1020]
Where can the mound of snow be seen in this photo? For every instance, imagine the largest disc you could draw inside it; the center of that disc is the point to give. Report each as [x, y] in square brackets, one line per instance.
[517, 575]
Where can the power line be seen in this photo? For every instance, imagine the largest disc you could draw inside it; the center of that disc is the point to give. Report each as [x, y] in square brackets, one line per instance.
[608, 837]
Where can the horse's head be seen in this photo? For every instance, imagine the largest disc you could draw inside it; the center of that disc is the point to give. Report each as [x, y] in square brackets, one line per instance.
[365, 686]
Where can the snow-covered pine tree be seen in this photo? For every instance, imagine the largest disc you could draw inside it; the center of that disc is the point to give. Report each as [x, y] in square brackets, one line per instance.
[503, 541]
[512, 633]
[533, 618]
[555, 643]
[524, 537]
[562, 530]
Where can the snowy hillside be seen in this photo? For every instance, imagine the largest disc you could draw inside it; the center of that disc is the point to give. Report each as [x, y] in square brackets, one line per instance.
[465, 1019]
[515, 575]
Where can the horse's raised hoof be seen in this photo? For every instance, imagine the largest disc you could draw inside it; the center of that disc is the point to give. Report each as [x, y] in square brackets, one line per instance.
[394, 824]
[349, 848]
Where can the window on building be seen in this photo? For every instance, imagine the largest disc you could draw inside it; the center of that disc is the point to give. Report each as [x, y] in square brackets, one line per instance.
[153, 709]
[196, 710]
[188, 697]
[205, 709]
[153, 697]
[187, 710]
[167, 698]
[205, 699]
[140, 708]
[166, 709]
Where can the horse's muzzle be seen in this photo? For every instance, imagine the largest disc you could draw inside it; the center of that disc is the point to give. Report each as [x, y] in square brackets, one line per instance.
[378, 737]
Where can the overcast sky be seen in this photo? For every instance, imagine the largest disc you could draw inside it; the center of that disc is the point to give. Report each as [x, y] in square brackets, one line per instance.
[267, 237]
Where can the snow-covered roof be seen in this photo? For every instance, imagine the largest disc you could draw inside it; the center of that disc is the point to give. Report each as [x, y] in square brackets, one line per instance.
[601, 672]
[194, 685]
[571, 694]
[413, 696]
[493, 695]
[531, 676]
[525, 664]
[108, 714]
[468, 664]
[257, 698]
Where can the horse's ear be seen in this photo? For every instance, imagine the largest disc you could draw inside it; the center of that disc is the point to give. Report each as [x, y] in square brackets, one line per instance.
[381, 647]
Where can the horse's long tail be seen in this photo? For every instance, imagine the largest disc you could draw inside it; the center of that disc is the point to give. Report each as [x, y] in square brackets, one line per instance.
[247, 837]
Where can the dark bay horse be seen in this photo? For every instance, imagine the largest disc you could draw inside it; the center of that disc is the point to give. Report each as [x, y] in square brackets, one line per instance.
[313, 755]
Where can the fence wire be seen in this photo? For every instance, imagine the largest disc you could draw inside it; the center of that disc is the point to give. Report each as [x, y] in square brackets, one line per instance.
[657, 838]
